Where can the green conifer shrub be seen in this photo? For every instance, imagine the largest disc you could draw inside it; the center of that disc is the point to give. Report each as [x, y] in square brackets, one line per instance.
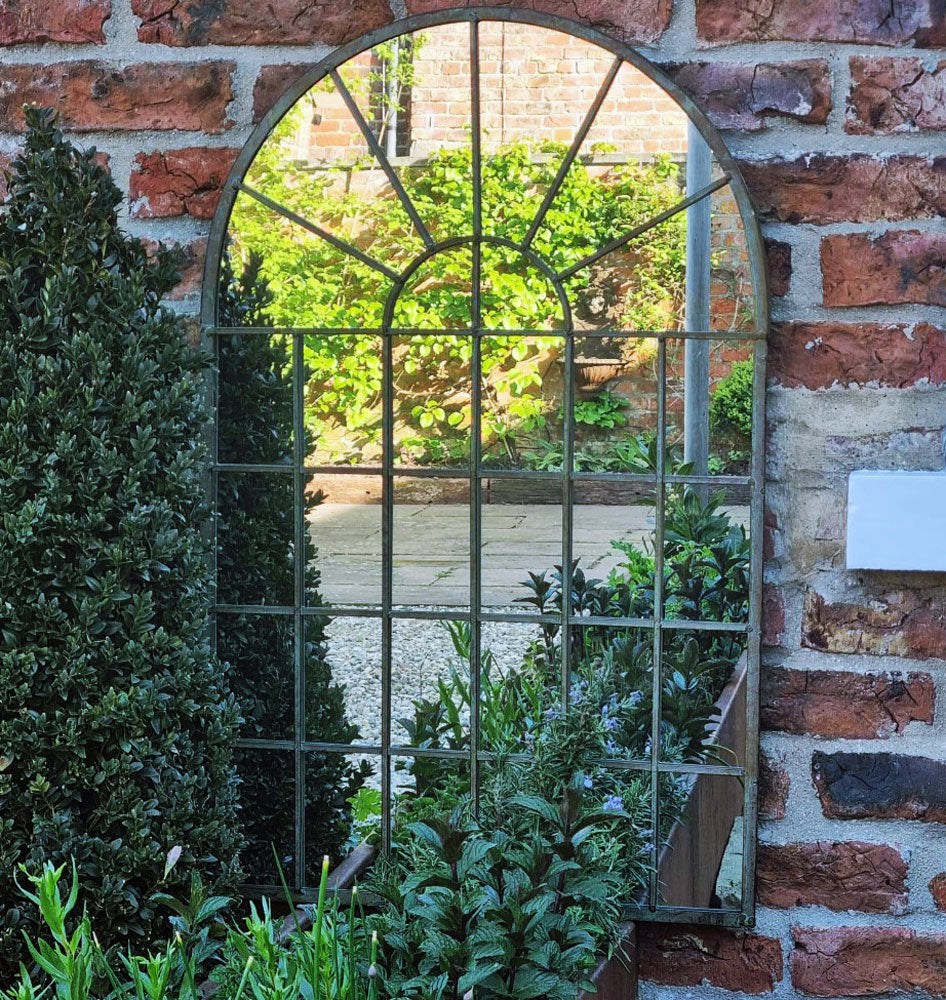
[116, 724]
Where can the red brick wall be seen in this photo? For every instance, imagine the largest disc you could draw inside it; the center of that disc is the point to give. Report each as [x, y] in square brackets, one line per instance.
[836, 111]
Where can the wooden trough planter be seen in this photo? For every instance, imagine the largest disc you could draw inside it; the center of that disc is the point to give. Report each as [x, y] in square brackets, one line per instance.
[689, 863]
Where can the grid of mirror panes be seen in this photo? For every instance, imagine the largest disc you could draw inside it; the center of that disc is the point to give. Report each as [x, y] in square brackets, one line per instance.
[560, 459]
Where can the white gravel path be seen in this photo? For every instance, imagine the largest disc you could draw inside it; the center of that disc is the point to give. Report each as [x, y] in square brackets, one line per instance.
[422, 651]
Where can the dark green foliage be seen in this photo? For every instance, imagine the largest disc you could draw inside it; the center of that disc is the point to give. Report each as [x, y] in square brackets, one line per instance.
[255, 566]
[115, 726]
[512, 909]
[731, 403]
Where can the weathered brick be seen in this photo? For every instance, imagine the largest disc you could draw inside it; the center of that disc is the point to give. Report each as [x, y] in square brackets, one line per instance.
[774, 786]
[859, 188]
[880, 786]
[937, 889]
[839, 704]
[271, 82]
[898, 268]
[69, 21]
[631, 22]
[744, 97]
[819, 355]
[192, 270]
[244, 22]
[97, 95]
[867, 961]
[899, 623]
[722, 22]
[773, 615]
[179, 182]
[688, 956]
[778, 257]
[898, 94]
[846, 875]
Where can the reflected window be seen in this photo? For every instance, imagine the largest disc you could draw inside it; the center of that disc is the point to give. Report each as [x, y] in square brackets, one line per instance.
[490, 329]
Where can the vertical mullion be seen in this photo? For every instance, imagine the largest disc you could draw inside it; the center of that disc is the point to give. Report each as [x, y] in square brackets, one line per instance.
[212, 485]
[568, 500]
[299, 547]
[660, 503]
[476, 513]
[387, 573]
[754, 640]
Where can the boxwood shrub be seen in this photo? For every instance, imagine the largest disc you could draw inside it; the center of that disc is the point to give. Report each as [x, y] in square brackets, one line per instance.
[116, 724]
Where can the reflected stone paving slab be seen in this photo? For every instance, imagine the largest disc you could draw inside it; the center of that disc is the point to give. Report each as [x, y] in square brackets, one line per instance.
[431, 548]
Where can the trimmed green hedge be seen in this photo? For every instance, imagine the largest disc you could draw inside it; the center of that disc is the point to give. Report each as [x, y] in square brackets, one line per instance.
[116, 724]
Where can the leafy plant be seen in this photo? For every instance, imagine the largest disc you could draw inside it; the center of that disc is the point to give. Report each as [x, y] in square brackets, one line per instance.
[116, 723]
[731, 402]
[336, 958]
[500, 910]
[603, 411]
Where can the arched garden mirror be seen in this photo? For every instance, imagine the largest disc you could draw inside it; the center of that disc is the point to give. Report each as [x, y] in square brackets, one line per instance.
[489, 313]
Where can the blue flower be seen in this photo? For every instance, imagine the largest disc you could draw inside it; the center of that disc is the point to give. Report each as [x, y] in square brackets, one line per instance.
[587, 782]
[613, 803]
[611, 724]
[612, 748]
[553, 713]
[635, 698]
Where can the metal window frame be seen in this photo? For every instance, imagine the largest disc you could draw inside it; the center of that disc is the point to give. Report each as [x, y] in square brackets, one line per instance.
[652, 909]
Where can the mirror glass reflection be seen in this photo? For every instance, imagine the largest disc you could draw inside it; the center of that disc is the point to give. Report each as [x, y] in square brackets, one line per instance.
[497, 372]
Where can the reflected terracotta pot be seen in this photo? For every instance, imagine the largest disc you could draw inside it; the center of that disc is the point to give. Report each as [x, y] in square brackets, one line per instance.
[593, 374]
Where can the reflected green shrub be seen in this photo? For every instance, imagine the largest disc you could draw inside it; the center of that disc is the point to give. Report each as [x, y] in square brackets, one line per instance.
[255, 555]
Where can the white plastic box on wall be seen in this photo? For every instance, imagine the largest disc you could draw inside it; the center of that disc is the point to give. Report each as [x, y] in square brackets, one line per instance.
[896, 520]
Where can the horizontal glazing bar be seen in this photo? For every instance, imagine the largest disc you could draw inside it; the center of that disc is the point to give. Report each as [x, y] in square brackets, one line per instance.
[703, 626]
[682, 914]
[250, 744]
[736, 335]
[373, 750]
[464, 615]
[671, 767]
[516, 616]
[430, 472]
[250, 467]
[407, 332]
[253, 609]
[502, 474]
[290, 331]
[710, 480]
[450, 472]
[406, 613]
[686, 624]
[615, 477]
[608, 622]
